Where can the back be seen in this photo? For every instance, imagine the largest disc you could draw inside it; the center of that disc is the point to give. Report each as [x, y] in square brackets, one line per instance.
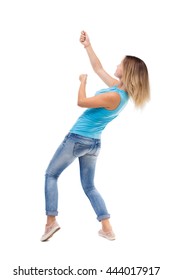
[92, 122]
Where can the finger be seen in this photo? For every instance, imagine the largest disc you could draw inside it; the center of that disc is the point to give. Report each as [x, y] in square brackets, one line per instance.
[82, 38]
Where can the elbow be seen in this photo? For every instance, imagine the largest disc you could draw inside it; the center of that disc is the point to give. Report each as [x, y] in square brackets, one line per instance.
[80, 103]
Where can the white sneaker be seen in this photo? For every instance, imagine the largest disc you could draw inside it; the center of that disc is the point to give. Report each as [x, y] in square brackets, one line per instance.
[108, 235]
[49, 231]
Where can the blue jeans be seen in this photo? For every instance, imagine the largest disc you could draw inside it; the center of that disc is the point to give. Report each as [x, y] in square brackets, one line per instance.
[86, 150]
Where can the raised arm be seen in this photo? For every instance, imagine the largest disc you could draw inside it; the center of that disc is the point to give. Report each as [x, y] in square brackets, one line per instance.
[95, 62]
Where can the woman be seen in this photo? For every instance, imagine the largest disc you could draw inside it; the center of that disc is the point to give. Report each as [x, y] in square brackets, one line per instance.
[83, 140]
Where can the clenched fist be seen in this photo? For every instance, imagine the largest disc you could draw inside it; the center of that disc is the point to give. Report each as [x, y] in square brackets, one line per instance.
[83, 77]
[84, 39]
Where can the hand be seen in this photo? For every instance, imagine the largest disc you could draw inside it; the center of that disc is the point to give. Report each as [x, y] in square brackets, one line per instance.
[83, 77]
[84, 39]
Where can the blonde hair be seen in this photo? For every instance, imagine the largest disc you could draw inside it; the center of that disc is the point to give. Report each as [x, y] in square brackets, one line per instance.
[136, 80]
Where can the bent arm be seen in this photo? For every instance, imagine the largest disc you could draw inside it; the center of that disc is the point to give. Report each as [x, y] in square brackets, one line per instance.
[109, 100]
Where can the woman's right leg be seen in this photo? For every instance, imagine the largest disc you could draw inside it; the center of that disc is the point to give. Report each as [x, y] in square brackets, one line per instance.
[87, 172]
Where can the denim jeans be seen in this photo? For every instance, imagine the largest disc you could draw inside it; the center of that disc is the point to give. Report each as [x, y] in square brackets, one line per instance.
[86, 150]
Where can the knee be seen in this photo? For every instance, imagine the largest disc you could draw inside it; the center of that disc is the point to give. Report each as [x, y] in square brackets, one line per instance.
[50, 173]
[88, 187]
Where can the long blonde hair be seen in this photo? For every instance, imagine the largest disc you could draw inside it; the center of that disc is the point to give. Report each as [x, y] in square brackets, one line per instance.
[136, 80]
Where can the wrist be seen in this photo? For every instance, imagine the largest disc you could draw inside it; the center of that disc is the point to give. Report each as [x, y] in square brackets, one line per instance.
[83, 82]
[87, 45]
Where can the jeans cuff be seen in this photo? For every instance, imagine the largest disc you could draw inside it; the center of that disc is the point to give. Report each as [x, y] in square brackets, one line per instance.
[103, 217]
[51, 213]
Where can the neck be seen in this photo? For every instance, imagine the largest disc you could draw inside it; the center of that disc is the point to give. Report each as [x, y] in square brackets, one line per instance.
[121, 85]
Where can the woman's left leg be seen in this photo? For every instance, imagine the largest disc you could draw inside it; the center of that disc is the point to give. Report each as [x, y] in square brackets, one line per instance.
[62, 158]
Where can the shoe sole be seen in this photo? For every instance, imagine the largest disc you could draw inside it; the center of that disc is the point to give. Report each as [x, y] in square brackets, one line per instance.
[50, 234]
[106, 237]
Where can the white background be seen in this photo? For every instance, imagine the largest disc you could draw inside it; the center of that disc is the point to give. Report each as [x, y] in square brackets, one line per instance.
[40, 61]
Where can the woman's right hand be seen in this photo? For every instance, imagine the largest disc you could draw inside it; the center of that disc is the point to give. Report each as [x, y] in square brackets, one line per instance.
[84, 39]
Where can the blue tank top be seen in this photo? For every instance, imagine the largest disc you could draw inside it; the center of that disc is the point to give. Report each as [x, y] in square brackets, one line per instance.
[92, 122]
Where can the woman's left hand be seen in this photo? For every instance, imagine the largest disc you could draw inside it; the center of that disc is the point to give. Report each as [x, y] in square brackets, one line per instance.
[83, 77]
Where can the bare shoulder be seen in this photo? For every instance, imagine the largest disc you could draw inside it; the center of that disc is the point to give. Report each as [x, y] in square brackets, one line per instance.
[114, 100]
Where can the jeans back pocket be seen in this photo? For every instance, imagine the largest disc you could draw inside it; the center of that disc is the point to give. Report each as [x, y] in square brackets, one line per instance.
[81, 149]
